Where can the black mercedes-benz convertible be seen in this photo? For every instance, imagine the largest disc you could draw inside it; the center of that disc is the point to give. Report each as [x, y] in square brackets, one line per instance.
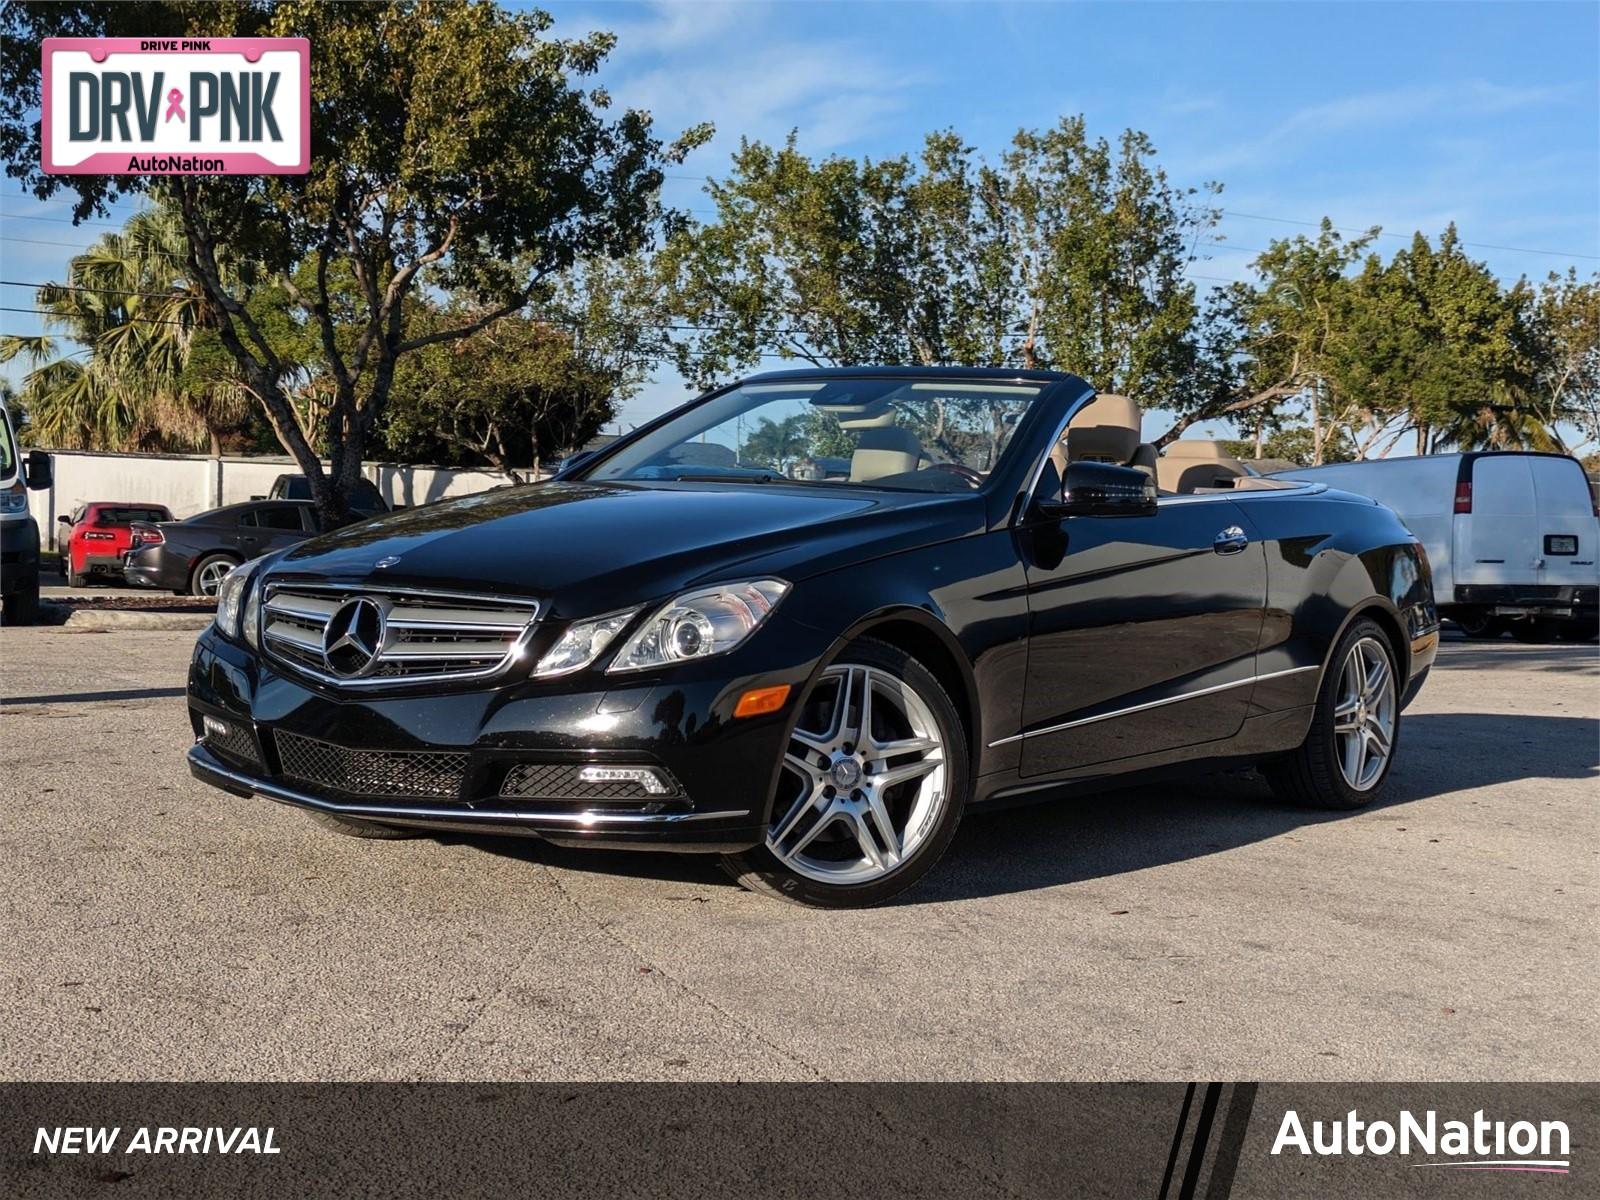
[806, 622]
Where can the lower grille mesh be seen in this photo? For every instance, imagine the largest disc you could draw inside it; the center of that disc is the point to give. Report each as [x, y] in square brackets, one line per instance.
[437, 774]
[559, 781]
[238, 744]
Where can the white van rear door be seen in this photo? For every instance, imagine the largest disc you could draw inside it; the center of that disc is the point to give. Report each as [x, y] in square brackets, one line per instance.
[1567, 529]
[1495, 542]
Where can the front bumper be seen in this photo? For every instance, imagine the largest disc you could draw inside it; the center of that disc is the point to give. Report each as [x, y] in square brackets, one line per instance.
[564, 826]
[722, 770]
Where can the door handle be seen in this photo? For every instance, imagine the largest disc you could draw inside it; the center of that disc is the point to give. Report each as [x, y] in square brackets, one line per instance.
[1230, 541]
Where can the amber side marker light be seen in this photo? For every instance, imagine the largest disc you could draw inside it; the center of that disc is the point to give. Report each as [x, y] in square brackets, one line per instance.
[759, 701]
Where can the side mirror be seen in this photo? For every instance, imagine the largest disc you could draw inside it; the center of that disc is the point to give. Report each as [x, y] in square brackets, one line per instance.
[1096, 489]
[574, 460]
[67, 521]
[39, 472]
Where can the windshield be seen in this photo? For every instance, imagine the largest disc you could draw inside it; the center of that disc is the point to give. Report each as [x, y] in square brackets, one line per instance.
[8, 450]
[912, 435]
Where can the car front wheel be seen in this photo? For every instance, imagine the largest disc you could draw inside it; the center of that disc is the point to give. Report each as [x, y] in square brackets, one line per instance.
[1344, 761]
[873, 785]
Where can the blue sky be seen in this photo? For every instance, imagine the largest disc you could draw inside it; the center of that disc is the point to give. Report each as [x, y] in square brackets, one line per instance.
[1407, 116]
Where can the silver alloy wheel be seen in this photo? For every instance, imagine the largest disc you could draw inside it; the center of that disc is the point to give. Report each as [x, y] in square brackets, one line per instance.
[1364, 716]
[211, 576]
[858, 795]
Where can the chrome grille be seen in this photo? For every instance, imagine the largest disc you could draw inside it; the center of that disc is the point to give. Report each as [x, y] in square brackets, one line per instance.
[426, 635]
[431, 773]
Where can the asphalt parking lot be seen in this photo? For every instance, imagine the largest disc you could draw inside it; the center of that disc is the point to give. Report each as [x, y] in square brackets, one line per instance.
[155, 929]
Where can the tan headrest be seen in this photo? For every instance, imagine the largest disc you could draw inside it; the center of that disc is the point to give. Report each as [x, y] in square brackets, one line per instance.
[1107, 429]
[1187, 465]
[884, 450]
[1196, 450]
[871, 419]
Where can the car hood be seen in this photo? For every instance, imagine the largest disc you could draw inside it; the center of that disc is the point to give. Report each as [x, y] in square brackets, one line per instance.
[595, 547]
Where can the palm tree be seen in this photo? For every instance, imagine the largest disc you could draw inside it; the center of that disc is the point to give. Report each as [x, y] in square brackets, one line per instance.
[1496, 426]
[129, 303]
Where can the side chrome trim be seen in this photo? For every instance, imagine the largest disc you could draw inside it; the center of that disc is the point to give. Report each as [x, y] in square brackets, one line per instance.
[1123, 712]
[208, 769]
[1301, 489]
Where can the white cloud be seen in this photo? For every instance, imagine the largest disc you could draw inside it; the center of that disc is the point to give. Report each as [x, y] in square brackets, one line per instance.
[1369, 110]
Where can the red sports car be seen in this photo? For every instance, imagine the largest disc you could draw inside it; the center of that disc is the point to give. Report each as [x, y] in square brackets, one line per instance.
[96, 536]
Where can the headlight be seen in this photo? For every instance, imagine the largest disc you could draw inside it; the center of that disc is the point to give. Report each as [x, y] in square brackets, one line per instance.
[231, 596]
[700, 624]
[14, 499]
[582, 643]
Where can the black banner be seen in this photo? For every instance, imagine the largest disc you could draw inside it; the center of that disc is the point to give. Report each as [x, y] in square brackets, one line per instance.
[1165, 1141]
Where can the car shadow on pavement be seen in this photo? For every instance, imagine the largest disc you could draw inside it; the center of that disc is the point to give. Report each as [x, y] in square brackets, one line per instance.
[1087, 836]
[1492, 656]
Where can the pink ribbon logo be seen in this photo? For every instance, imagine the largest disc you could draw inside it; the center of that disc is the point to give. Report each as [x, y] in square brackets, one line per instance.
[175, 105]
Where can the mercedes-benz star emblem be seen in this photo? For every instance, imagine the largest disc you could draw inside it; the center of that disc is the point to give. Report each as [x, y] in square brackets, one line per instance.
[387, 562]
[352, 637]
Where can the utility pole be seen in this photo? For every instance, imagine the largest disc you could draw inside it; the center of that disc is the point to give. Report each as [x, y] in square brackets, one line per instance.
[1316, 421]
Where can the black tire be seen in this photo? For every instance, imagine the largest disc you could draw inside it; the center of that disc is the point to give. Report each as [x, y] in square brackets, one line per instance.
[196, 586]
[21, 607]
[1536, 631]
[1577, 629]
[1479, 624]
[362, 829]
[759, 870]
[1310, 776]
[74, 580]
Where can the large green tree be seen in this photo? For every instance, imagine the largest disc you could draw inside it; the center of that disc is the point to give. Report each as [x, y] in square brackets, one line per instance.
[1566, 332]
[454, 145]
[509, 396]
[1067, 251]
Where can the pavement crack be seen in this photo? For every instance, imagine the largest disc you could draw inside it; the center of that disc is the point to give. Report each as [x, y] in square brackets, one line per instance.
[623, 943]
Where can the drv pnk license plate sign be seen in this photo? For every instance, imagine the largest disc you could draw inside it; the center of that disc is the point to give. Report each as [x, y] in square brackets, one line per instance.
[176, 106]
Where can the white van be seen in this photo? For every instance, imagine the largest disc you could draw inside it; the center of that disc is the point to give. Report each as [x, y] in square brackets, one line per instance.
[19, 534]
[1513, 537]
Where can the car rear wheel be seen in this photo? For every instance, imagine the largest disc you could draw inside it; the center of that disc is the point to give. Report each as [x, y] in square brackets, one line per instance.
[209, 574]
[1479, 623]
[1536, 630]
[1344, 761]
[873, 785]
[1576, 629]
[362, 829]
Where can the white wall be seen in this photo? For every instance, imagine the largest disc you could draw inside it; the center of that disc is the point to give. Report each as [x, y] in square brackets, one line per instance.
[192, 483]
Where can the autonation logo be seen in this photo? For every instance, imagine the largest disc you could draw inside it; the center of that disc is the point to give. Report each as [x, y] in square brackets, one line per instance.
[1476, 1145]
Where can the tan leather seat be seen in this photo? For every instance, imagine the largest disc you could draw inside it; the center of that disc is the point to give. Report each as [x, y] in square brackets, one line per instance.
[882, 447]
[1192, 465]
[1104, 430]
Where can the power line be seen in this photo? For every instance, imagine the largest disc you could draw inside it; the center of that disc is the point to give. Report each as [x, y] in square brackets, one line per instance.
[45, 312]
[75, 287]
[8, 216]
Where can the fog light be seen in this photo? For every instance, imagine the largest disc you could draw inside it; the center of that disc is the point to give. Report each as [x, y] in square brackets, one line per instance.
[215, 727]
[645, 777]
